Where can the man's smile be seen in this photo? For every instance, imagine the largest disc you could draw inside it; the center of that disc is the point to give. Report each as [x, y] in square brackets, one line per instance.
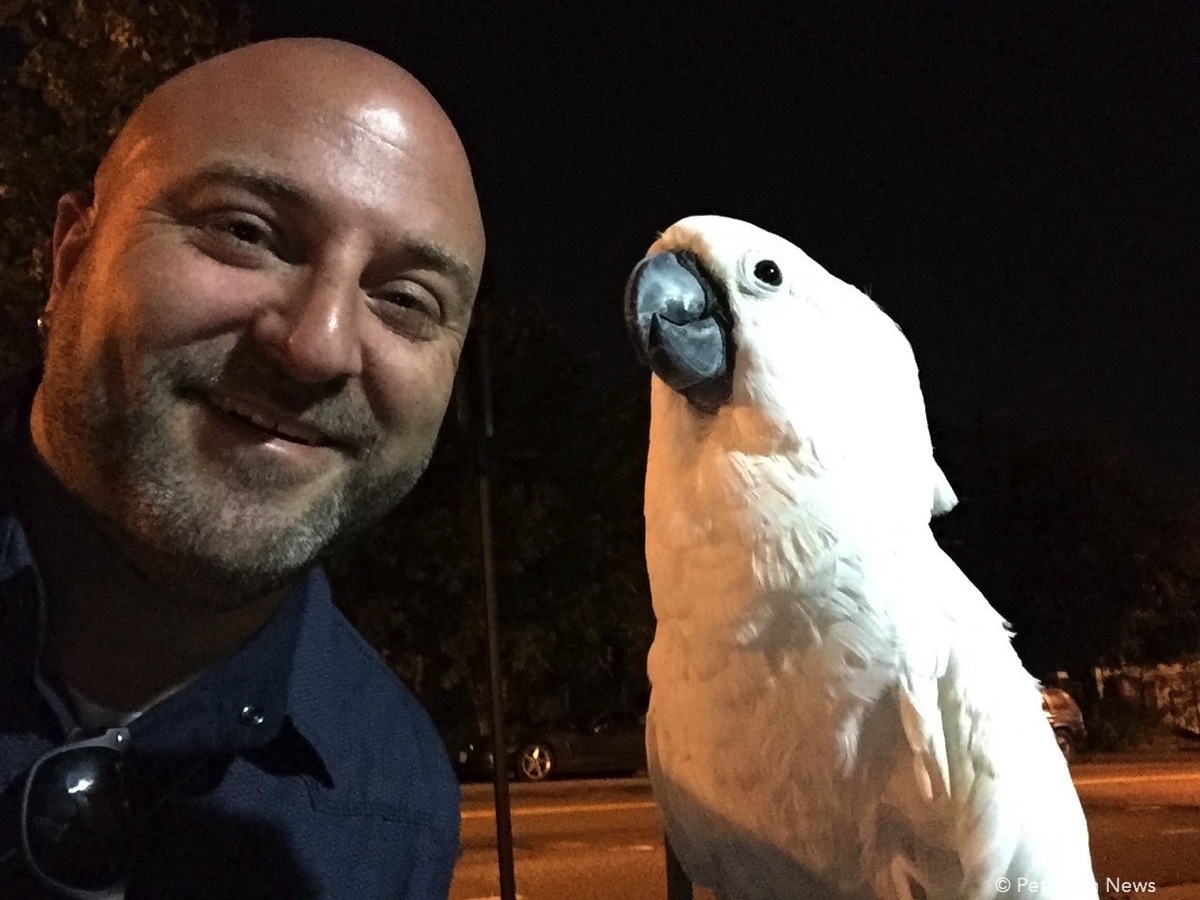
[262, 415]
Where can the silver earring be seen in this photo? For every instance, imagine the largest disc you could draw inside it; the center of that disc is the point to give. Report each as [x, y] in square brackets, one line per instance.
[43, 326]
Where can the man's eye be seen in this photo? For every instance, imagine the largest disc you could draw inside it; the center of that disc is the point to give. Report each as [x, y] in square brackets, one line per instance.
[240, 239]
[247, 232]
[243, 230]
[411, 310]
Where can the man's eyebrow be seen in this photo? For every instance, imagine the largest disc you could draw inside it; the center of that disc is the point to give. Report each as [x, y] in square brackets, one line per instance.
[429, 255]
[266, 184]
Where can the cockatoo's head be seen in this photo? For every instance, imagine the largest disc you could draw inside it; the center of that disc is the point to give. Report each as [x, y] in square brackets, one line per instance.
[757, 347]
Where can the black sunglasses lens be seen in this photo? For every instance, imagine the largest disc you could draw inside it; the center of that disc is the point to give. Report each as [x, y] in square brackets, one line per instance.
[78, 822]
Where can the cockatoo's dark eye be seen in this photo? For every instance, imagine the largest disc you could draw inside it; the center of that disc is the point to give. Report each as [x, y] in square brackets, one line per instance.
[767, 272]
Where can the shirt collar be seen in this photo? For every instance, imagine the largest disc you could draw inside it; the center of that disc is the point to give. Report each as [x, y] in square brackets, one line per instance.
[237, 704]
[19, 618]
[16, 399]
[15, 555]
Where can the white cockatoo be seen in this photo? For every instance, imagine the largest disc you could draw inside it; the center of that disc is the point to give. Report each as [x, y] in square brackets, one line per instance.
[836, 711]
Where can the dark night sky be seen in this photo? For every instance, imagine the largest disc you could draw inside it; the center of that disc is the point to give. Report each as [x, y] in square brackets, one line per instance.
[1019, 186]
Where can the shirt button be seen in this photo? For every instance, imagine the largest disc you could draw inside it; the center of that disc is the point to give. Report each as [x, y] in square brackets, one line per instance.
[252, 716]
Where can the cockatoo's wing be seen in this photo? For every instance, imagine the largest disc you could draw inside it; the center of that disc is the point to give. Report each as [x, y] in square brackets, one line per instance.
[985, 784]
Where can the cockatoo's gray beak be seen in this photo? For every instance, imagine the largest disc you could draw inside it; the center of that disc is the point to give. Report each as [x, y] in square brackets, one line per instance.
[681, 326]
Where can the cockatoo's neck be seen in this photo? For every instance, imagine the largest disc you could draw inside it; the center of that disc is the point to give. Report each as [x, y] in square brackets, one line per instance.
[748, 510]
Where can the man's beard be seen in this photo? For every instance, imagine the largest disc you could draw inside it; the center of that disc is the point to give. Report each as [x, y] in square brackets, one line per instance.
[211, 536]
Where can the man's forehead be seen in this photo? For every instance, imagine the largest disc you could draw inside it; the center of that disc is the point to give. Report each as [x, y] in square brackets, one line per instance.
[317, 72]
[286, 95]
[382, 121]
[285, 118]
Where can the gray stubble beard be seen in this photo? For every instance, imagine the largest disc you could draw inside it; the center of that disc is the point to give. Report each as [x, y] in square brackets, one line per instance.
[186, 530]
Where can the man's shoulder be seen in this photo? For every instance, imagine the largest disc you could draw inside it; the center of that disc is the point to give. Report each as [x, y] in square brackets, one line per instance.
[383, 752]
[372, 690]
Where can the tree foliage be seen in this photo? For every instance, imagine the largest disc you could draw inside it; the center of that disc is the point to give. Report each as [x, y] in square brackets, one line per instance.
[566, 463]
[1065, 541]
[77, 69]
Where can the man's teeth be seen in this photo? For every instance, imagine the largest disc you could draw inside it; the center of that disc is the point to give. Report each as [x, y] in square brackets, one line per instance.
[257, 418]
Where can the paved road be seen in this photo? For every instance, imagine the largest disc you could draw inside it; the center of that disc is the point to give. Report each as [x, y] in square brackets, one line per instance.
[1144, 821]
[600, 840]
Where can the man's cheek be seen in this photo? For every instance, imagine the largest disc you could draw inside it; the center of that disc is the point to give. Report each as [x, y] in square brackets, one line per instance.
[185, 296]
[408, 383]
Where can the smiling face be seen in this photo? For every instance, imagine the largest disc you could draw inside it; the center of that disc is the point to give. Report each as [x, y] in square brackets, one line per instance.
[258, 320]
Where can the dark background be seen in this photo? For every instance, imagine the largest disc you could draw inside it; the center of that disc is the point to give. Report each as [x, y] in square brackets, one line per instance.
[1017, 186]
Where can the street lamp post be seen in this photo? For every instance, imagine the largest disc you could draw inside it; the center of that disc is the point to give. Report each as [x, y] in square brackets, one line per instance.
[479, 420]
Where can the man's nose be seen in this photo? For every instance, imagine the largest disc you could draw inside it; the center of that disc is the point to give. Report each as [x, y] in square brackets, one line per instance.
[314, 333]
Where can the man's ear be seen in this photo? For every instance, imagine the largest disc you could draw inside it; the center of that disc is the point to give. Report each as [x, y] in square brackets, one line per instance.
[72, 233]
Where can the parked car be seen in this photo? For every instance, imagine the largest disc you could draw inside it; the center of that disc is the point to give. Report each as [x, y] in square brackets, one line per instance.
[1065, 717]
[612, 743]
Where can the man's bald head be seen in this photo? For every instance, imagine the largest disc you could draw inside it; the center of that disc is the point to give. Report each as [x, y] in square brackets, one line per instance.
[291, 78]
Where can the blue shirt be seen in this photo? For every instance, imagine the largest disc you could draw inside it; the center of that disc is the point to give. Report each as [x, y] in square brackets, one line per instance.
[310, 770]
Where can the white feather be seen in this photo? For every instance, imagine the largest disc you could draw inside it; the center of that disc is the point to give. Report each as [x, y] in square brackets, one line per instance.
[836, 711]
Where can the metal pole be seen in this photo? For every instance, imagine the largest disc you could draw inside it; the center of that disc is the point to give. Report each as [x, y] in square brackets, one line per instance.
[483, 435]
[679, 886]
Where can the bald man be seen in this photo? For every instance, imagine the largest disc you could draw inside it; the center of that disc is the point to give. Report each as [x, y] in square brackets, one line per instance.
[250, 342]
